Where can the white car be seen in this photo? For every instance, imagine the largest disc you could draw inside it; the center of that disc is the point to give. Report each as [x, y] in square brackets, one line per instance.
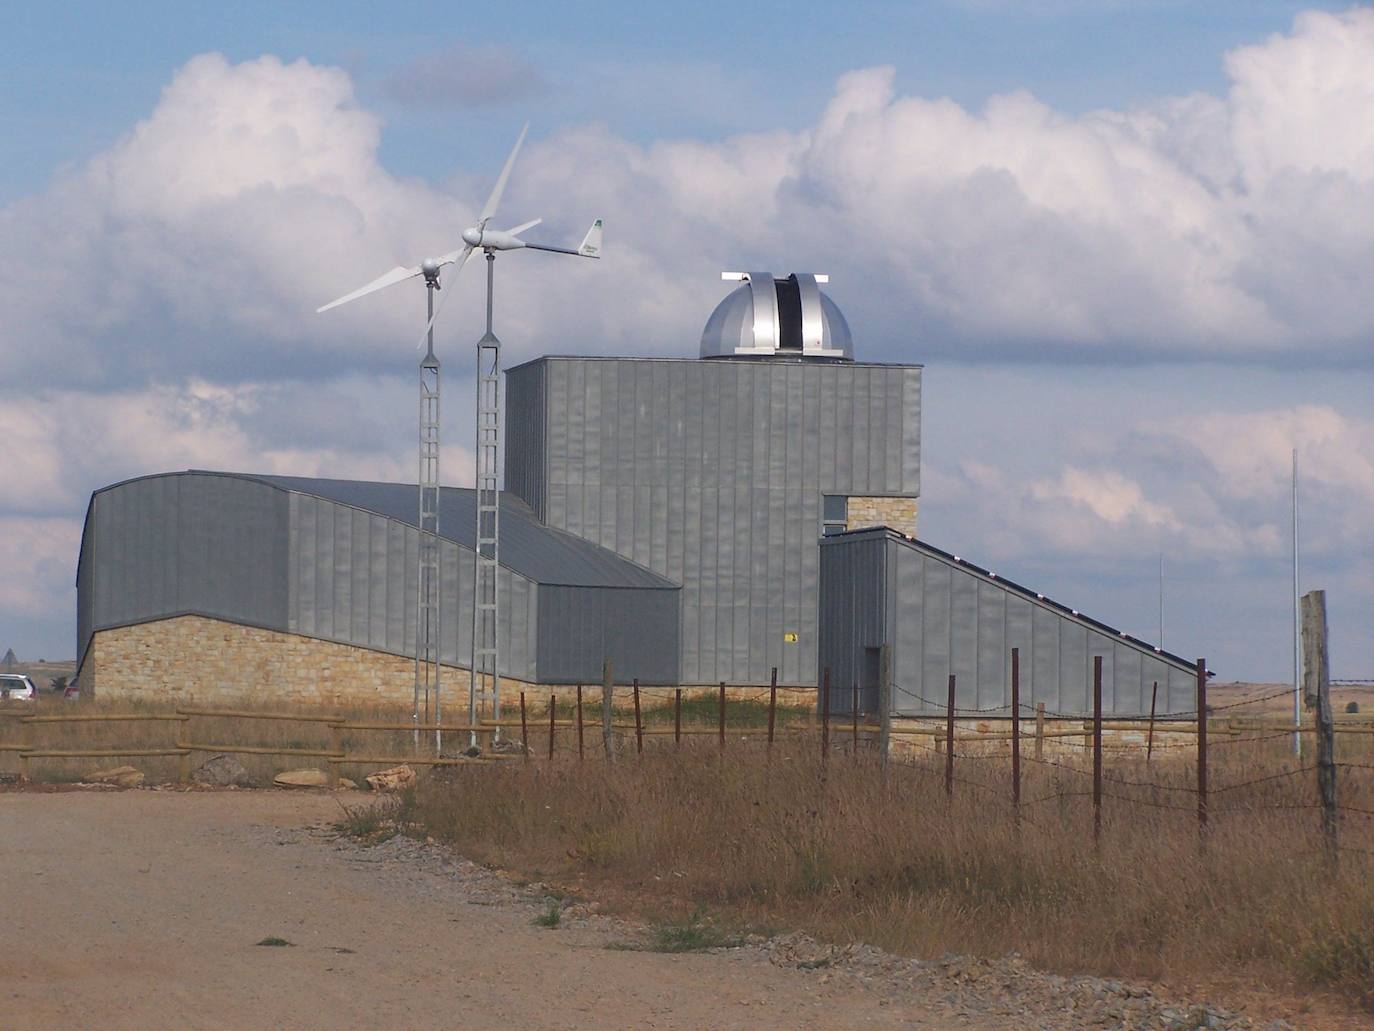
[17, 687]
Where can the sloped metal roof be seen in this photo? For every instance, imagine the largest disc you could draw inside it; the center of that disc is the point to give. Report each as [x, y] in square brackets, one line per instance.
[528, 547]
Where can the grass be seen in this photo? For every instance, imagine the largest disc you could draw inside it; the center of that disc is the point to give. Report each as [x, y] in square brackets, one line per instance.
[274, 942]
[373, 824]
[839, 852]
[552, 917]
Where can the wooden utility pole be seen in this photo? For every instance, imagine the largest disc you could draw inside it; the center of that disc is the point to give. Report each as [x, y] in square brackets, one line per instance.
[607, 737]
[1316, 690]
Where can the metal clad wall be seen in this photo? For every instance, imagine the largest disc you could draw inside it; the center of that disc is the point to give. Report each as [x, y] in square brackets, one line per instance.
[525, 406]
[711, 473]
[188, 542]
[853, 600]
[580, 626]
[352, 580]
[944, 617]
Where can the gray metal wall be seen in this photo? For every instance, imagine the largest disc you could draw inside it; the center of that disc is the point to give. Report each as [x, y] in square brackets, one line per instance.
[942, 617]
[236, 548]
[165, 545]
[711, 473]
[524, 457]
[352, 580]
[579, 626]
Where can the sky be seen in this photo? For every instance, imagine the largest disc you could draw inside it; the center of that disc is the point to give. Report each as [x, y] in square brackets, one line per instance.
[1132, 241]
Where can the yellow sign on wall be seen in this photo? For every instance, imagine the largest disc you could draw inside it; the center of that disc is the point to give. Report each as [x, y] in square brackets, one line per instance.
[790, 637]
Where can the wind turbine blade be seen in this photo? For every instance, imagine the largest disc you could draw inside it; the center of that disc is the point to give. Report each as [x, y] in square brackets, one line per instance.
[489, 209]
[591, 243]
[396, 275]
[523, 226]
[458, 259]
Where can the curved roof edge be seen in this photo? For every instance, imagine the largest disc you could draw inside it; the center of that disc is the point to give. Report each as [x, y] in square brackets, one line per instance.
[530, 549]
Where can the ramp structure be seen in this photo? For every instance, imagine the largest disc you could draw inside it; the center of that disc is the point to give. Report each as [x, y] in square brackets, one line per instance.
[942, 614]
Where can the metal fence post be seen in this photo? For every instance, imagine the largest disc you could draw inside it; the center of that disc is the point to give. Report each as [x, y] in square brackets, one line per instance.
[772, 707]
[553, 710]
[677, 718]
[1016, 728]
[1202, 746]
[949, 740]
[722, 717]
[639, 723]
[1097, 749]
[524, 731]
[581, 754]
[1150, 740]
[854, 717]
[825, 714]
[884, 704]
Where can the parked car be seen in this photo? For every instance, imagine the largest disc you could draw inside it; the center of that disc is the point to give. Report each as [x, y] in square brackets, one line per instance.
[17, 687]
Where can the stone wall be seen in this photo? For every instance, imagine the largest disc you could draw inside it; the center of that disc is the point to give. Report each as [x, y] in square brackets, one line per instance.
[898, 513]
[192, 658]
[188, 659]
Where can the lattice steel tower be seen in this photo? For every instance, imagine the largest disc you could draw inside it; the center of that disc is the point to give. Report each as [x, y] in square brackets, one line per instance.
[485, 684]
[427, 612]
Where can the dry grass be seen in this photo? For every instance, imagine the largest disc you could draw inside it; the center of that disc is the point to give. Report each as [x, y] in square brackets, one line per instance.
[836, 850]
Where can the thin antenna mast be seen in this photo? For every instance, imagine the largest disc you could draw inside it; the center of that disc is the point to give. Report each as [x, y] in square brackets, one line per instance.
[1297, 623]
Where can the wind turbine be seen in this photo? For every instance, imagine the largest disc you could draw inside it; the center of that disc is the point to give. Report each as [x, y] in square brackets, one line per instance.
[428, 659]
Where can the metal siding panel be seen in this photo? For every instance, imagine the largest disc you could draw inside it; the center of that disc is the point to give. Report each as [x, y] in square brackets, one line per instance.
[1074, 676]
[1020, 635]
[1045, 676]
[908, 627]
[911, 432]
[342, 602]
[937, 616]
[963, 640]
[992, 653]
[378, 576]
[1126, 694]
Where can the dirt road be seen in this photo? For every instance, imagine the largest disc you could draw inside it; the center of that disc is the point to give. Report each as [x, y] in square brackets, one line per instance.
[146, 909]
[141, 909]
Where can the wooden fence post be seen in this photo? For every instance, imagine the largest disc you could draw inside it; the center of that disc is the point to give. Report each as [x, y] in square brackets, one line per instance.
[1150, 740]
[524, 730]
[1097, 749]
[1202, 746]
[884, 704]
[677, 718]
[772, 707]
[1316, 689]
[607, 736]
[1016, 729]
[722, 717]
[639, 724]
[580, 753]
[1039, 730]
[949, 740]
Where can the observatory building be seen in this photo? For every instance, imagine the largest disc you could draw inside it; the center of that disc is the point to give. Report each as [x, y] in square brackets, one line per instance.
[693, 520]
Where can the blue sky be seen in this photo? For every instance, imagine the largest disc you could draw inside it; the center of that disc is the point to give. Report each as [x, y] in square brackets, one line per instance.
[78, 75]
[1133, 243]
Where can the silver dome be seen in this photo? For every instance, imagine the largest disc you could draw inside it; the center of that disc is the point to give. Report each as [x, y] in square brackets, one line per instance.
[768, 317]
